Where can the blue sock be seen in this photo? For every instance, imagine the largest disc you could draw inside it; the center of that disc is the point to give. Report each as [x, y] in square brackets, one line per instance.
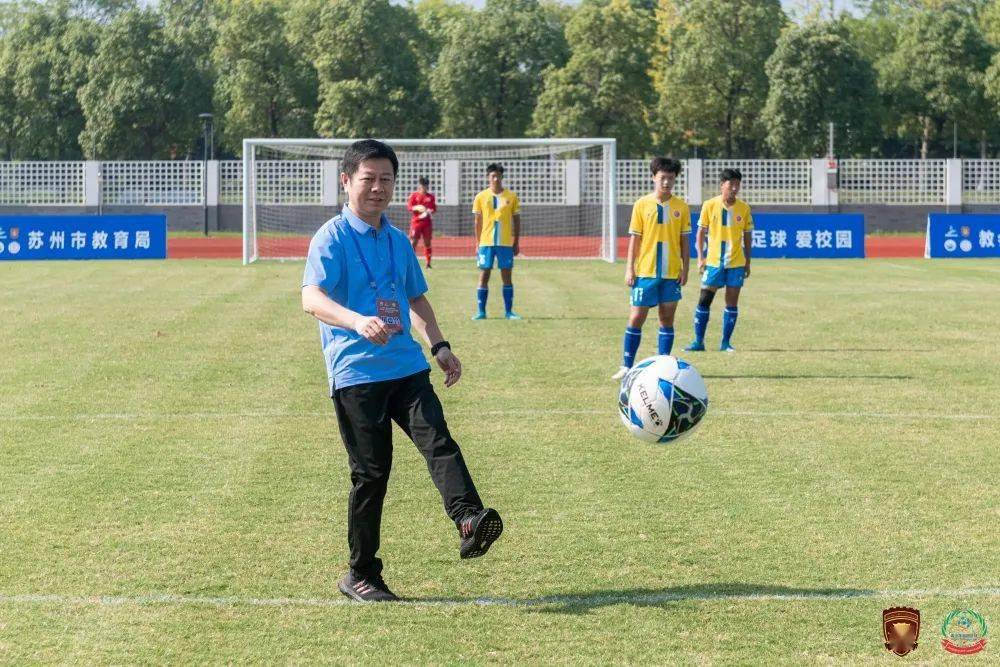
[481, 294]
[508, 297]
[665, 341]
[700, 323]
[632, 338]
[728, 323]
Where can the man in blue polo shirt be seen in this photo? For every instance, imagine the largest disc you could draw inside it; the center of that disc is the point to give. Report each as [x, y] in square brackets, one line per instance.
[363, 283]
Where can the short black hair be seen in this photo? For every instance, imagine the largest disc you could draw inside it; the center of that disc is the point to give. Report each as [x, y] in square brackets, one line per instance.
[494, 166]
[423, 181]
[730, 175]
[667, 164]
[367, 149]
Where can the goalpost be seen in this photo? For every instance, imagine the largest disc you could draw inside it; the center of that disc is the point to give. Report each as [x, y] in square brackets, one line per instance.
[566, 188]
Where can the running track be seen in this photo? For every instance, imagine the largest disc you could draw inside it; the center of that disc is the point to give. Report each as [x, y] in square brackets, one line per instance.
[230, 247]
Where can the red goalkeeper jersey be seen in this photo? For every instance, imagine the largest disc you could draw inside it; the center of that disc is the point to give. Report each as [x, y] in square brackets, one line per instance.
[424, 199]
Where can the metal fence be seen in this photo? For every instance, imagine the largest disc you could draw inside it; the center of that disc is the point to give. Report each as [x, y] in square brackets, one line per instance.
[41, 183]
[980, 181]
[892, 181]
[536, 180]
[161, 183]
[764, 181]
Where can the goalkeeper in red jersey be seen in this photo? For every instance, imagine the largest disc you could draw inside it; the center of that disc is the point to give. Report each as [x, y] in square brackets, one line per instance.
[421, 205]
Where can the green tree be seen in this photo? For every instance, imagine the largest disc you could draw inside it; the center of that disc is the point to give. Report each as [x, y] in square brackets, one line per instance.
[990, 22]
[265, 85]
[604, 90]
[190, 33]
[370, 85]
[489, 74]
[43, 61]
[816, 77]
[710, 77]
[436, 18]
[935, 75]
[137, 101]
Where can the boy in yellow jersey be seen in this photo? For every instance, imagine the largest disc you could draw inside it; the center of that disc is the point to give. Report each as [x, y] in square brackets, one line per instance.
[659, 255]
[498, 229]
[727, 222]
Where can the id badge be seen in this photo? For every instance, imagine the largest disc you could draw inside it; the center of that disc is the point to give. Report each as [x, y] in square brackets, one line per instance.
[388, 312]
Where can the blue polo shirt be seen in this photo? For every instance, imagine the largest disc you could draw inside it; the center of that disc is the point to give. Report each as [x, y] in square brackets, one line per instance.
[334, 266]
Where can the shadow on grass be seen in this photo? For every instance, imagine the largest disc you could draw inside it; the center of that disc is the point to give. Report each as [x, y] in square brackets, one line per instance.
[581, 318]
[790, 376]
[579, 603]
[835, 349]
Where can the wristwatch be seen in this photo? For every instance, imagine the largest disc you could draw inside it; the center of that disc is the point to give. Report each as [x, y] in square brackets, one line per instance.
[436, 347]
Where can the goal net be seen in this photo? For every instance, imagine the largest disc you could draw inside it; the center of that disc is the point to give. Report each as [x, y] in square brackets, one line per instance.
[566, 188]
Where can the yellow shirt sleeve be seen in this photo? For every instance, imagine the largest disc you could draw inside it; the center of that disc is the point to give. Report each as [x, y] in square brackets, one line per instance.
[516, 204]
[635, 224]
[749, 219]
[686, 220]
[703, 218]
[477, 205]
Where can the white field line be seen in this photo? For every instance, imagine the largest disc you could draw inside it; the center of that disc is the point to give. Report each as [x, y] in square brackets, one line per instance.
[598, 599]
[513, 412]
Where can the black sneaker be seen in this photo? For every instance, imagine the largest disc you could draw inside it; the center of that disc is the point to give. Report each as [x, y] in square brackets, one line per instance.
[479, 532]
[366, 589]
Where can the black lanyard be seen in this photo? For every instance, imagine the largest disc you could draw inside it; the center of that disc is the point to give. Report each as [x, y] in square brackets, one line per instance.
[364, 262]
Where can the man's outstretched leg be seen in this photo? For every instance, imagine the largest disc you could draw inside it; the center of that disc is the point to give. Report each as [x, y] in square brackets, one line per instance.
[417, 410]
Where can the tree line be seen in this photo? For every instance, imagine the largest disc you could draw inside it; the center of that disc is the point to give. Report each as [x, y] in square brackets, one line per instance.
[123, 79]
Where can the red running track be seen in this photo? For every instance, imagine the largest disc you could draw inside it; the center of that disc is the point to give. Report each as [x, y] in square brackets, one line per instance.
[230, 247]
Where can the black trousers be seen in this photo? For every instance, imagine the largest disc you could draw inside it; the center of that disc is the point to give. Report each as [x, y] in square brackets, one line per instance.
[365, 413]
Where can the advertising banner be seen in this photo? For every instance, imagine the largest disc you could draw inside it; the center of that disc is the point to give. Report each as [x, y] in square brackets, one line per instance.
[37, 237]
[962, 235]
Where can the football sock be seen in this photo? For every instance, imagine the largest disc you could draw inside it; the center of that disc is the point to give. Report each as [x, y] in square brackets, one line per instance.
[728, 322]
[508, 297]
[632, 338]
[481, 294]
[665, 341]
[700, 323]
[427, 254]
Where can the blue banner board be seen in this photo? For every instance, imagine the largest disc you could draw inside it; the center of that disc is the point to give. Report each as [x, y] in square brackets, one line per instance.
[804, 235]
[30, 237]
[962, 235]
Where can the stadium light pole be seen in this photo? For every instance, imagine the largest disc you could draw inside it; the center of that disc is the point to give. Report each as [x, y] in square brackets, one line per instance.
[206, 128]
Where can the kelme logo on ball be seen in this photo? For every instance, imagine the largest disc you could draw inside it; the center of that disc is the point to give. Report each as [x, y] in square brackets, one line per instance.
[647, 401]
[901, 629]
[963, 632]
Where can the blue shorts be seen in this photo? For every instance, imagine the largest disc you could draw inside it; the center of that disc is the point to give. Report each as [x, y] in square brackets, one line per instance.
[504, 256]
[649, 292]
[716, 277]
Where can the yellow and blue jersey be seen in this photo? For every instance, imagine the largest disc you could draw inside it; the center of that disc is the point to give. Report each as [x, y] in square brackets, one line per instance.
[725, 232]
[498, 211]
[662, 228]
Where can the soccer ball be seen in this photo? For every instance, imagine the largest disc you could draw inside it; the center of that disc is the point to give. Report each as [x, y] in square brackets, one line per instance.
[662, 399]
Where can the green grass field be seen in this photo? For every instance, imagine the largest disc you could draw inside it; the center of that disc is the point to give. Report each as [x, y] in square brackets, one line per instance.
[173, 487]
